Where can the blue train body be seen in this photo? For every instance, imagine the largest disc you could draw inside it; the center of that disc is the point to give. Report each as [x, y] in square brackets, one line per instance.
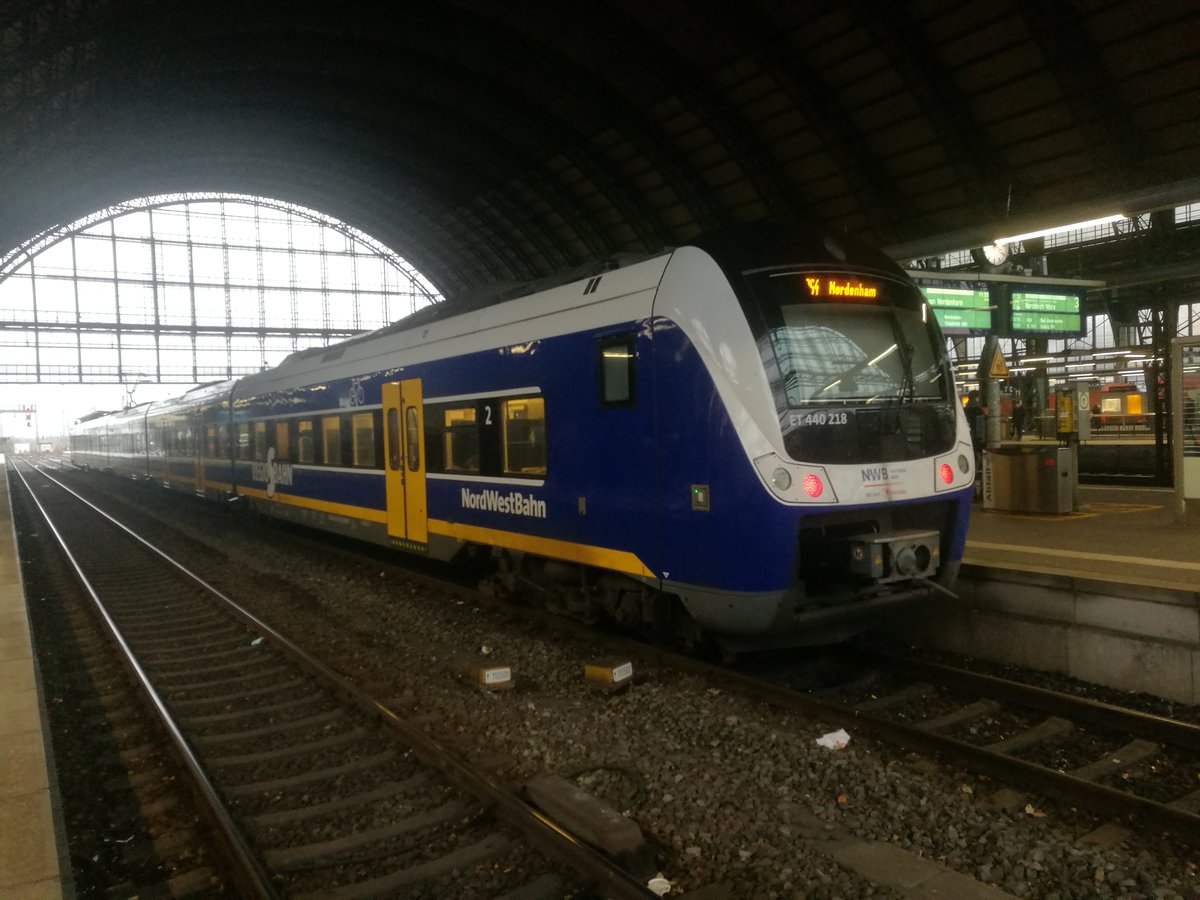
[755, 438]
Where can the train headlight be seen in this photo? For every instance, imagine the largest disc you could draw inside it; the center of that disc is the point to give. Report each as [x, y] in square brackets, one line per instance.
[963, 463]
[946, 473]
[813, 485]
[781, 479]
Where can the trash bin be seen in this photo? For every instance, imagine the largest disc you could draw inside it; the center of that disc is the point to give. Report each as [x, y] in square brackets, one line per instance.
[1029, 479]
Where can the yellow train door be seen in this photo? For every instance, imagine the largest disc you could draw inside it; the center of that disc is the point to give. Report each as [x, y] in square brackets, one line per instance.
[404, 468]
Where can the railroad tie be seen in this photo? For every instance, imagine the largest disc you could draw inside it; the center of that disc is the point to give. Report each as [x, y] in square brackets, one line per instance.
[1050, 728]
[1134, 751]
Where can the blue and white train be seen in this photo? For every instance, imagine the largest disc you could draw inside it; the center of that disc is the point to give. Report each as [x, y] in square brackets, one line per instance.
[754, 437]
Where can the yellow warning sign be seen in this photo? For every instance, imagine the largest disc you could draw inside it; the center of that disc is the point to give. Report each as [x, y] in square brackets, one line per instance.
[999, 368]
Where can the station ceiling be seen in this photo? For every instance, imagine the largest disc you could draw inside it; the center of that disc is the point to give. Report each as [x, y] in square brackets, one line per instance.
[494, 141]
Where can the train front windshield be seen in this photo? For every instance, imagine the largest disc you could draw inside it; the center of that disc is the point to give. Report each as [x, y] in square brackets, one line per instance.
[858, 367]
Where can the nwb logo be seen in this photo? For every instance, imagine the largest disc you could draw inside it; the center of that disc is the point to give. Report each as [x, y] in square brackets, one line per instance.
[878, 473]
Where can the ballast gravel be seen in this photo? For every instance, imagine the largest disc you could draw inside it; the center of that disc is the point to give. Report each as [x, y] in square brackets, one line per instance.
[729, 791]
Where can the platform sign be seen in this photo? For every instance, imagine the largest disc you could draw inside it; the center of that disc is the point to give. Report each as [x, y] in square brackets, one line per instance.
[1047, 310]
[959, 306]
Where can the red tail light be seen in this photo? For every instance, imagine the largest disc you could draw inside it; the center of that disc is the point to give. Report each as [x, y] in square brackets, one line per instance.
[813, 485]
[946, 473]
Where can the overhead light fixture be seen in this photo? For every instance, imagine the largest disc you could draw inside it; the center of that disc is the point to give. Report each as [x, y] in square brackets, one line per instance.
[1059, 229]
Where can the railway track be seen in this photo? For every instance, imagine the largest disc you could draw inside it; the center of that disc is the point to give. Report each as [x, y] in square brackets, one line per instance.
[316, 788]
[1116, 761]
[1112, 760]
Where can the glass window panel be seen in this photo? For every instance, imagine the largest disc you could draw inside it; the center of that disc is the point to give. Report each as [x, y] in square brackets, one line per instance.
[239, 224]
[245, 449]
[277, 267]
[55, 259]
[210, 305]
[139, 360]
[172, 263]
[304, 441]
[339, 271]
[16, 296]
[212, 356]
[243, 307]
[94, 255]
[55, 299]
[134, 224]
[308, 269]
[363, 425]
[277, 305]
[282, 444]
[341, 310]
[460, 440]
[206, 223]
[137, 303]
[393, 439]
[310, 309]
[243, 266]
[59, 354]
[175, 305]
[260, 441]
[97, 301]
[331, 440]
[208, 264]
[133, 260]
[525, 436]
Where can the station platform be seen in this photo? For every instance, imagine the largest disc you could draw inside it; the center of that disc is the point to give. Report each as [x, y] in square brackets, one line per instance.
[30, 851]
[1119, 535]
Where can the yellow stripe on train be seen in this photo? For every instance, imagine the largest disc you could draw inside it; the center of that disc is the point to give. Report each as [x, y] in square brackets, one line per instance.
[334, 509]
[585, 554]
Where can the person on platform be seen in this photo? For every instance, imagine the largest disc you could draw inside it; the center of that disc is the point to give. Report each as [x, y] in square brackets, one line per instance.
[1018, 420]
[974, 412]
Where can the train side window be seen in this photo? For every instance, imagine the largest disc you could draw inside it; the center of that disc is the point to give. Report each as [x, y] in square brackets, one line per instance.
[283, 448]
[362, 427]
[460, 439]
[244, 449]
[524, 422]
[210, 442]
[615, 358]
[260, 441]
[331, 440]
[304, 441]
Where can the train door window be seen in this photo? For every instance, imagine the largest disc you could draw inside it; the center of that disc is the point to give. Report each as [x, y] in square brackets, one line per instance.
[210, 442]
[260, 441]
[224, 450]
[393, 428]
[413, 436]
[283, 442]
[304, 442]
[331, 440]
[615, 361]
[362, 427]
[524, 422]
[244, 449]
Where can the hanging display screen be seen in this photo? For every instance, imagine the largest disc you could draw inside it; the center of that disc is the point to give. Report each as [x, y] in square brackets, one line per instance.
[959, 306]
[1047, 311]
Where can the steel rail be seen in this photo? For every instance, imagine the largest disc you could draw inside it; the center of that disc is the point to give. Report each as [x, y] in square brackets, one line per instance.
[541, 831]
[251, 878]
[1094, 712]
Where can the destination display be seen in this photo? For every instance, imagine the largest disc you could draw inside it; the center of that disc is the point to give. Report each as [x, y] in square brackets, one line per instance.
[961, 306]
[1047, 312]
